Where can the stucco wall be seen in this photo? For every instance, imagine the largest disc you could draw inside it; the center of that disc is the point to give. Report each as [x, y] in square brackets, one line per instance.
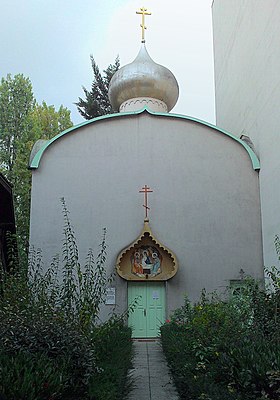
[205, 204]
[247, 80]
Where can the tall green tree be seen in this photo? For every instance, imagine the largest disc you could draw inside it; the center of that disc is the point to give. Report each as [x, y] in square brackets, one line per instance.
[47, 122]
[22, 123]
[16, 103]
[96, 100]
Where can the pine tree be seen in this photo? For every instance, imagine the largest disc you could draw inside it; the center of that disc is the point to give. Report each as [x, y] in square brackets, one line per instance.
[96, 100]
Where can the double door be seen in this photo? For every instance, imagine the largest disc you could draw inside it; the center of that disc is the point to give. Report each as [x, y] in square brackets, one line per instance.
[149, 311]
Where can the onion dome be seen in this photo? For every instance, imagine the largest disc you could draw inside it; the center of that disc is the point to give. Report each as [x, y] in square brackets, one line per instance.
[143, 82]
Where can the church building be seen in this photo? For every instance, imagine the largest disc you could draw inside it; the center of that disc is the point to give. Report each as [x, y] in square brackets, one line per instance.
[200, 226]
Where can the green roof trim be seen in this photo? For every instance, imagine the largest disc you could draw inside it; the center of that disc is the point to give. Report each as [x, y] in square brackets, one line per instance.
[34, 163]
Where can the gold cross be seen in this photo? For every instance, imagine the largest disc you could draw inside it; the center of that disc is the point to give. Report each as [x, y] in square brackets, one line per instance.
[143, 11]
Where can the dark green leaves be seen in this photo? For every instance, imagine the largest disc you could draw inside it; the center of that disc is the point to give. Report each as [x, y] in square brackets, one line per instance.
[96, 102]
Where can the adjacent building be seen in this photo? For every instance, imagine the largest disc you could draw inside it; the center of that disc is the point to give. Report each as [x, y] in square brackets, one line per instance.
[247, 79]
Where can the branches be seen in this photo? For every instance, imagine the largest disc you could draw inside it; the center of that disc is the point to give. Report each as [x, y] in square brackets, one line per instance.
[96, 102]
[80, 292]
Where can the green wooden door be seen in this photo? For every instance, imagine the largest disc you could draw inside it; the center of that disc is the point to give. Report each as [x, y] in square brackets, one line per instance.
[149, 313]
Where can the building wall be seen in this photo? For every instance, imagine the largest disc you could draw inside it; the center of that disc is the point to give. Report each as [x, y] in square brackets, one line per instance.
[204, 206]
[247, 80]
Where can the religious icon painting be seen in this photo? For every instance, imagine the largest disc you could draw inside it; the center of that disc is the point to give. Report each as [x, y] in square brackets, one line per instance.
[146, 260]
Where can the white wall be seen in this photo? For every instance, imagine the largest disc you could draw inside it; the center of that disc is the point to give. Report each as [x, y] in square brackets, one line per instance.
[247, 65]
[204, 206]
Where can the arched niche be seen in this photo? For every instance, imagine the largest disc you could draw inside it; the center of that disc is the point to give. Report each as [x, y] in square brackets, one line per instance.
[146, 259]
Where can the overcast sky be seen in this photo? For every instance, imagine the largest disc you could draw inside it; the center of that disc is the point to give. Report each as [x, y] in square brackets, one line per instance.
[50, 41]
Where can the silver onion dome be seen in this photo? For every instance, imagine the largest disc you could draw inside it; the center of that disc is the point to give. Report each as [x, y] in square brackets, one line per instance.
[143, 78]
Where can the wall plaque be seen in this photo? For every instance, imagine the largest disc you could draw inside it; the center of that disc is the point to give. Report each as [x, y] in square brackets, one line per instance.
[110, 296]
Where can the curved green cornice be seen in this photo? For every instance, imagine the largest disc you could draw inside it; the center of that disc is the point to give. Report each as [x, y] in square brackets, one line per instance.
[34, 163]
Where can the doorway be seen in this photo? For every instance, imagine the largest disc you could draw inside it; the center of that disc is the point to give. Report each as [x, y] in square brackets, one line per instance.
[149, 312]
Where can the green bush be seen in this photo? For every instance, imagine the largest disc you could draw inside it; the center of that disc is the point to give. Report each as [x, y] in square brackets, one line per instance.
[33, 376]
[113, 356]
[226, 350]
[52, 346]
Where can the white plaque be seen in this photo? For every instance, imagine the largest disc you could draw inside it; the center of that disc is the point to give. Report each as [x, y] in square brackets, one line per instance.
[110, 296]
[155, 295]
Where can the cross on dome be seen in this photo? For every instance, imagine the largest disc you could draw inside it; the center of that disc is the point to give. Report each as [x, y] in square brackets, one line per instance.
[143, 11]
[143, 83]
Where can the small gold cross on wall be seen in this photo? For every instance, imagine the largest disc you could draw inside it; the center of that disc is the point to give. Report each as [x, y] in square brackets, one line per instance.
[146, 190]
[143, 11]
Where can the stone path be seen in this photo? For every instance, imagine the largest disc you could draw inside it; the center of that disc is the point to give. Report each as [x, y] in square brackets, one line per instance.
[150, 375]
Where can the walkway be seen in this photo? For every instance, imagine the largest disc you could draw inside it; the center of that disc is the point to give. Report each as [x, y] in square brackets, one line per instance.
[150, 376]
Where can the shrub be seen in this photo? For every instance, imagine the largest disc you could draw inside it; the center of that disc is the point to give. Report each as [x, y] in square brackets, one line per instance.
[226, 350]
[33, 376]
[51, 346]
[113, 356]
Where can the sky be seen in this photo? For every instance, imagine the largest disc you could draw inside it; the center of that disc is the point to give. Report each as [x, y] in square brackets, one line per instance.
[50, 41]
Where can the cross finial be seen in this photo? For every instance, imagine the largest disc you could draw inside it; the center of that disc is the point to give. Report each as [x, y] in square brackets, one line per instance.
[146, 190]
[143, 11]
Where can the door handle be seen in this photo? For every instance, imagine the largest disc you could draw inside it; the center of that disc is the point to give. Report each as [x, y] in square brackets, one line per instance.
[144, 312]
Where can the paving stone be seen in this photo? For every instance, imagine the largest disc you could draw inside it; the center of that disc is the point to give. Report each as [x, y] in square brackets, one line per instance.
[150, 375]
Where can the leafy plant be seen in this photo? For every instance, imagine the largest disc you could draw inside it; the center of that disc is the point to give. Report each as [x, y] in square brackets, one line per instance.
[226, 349]
[113, 355]
[49, 332]
[31, 377]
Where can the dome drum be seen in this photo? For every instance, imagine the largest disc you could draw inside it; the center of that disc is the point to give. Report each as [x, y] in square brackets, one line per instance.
[138, 103]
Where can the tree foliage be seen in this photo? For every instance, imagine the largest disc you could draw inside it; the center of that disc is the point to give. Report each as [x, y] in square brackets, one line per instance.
[96, 100]
[16, 103]
[22, 122]
[47, 121]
